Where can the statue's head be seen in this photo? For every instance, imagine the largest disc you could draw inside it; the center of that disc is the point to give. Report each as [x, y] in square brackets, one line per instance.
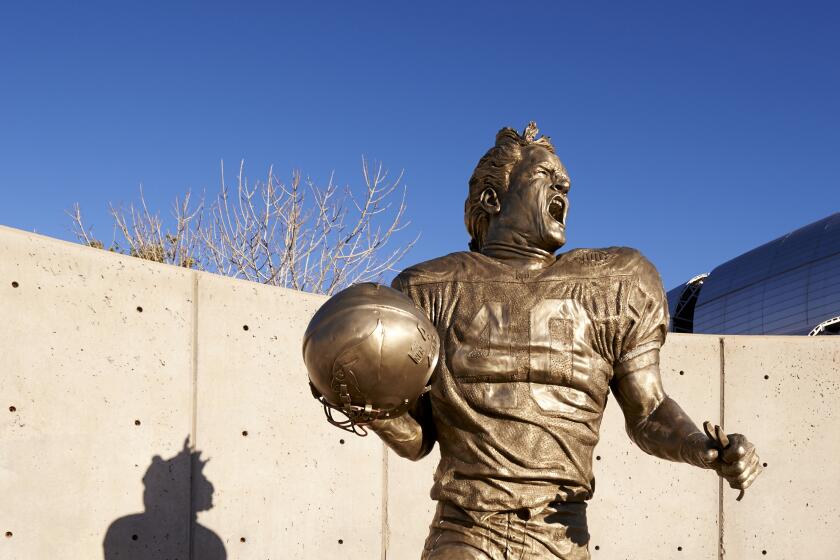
[519, 185]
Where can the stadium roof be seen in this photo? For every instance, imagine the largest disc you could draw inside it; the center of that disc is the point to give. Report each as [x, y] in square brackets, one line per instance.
[790, 285]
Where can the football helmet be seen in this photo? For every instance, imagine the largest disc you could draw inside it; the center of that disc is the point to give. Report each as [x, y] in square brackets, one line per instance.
[370, 352]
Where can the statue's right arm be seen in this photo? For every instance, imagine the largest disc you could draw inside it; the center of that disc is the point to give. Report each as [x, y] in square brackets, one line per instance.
[411, 435]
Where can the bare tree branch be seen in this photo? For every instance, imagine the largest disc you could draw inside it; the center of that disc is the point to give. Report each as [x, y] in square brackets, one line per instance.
[297, 235]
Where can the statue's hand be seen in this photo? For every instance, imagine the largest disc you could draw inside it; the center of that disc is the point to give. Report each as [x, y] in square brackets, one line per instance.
[732, 456]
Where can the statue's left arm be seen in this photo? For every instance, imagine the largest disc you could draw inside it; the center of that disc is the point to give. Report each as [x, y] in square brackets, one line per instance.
[654, 421]
[657, 424]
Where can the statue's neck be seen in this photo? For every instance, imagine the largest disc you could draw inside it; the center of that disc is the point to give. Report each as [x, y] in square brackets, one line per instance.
[518, 255]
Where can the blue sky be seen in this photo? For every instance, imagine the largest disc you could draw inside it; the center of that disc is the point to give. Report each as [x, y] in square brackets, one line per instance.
[692, 131]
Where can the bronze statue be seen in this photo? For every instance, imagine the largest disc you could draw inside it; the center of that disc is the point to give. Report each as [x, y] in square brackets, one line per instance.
[531, 343]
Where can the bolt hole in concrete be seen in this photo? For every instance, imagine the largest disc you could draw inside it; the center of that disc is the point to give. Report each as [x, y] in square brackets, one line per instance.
[12, 408]
[244, 433]
[766, 377]
[763, 464]
[764, 552]
[679, 548]
[341, 441]
[134, 537]
[244, 327]
[340, 541]
[137, 422]
[8, 534]
[682, 372]
[15, 284]
[598, 458]
[241, 539]
[139, 309]
[597, 547]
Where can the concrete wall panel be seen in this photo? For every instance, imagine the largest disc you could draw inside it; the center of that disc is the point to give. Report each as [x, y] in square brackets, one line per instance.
[80, 362]
[646, 507]
[91, 390]
[294, 486]
[410, 509]
[782, 393]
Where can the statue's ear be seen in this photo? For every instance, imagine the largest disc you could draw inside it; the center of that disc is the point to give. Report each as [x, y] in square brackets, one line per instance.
[490, 201]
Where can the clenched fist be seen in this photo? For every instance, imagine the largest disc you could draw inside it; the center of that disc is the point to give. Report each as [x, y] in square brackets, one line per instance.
[732, 456]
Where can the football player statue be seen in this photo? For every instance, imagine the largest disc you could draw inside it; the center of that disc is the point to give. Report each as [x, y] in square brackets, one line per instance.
[531, 345]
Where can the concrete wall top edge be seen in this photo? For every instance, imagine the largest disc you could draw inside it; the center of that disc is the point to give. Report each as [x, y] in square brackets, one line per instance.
[92, 252]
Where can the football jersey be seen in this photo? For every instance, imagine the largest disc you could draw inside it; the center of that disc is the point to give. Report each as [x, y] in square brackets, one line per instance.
[525, 366]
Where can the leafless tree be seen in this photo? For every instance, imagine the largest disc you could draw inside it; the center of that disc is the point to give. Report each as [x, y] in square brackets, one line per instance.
[297, 235]
[141, 233]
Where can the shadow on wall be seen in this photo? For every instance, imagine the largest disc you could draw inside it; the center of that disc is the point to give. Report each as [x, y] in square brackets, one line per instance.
[162, 531]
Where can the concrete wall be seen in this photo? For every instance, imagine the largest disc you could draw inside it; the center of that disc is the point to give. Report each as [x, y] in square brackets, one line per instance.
[119, 378]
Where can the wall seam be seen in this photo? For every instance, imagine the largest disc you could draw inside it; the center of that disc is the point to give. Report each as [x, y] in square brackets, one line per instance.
[194, 413]
[385, 534]
[722, 412]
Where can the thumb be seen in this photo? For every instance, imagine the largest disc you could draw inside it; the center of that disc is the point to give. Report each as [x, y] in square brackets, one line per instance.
[700, 451]
[710, 454]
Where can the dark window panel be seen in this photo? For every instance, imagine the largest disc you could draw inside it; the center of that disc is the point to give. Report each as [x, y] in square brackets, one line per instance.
[780, 287]
[829, 243]
[820, 313]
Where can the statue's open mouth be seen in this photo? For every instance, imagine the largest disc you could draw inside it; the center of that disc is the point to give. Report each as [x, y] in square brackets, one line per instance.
[555, 209]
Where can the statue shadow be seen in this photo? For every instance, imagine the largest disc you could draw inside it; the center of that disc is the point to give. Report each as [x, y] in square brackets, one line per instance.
[168, 524]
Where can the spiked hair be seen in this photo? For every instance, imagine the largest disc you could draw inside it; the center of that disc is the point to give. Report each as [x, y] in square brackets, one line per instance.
[186, 456]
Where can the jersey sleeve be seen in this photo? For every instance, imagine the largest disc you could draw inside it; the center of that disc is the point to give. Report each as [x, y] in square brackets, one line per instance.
[645, 322]
[427, 297]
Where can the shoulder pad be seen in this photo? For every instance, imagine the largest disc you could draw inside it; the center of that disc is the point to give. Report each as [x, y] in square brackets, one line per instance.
[442, 269]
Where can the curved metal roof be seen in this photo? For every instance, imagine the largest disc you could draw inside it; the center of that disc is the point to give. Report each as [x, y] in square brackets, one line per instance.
[786, 286]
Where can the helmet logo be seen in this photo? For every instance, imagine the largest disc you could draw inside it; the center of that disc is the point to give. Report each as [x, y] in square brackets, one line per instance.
[343, 377]
[420, 350]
